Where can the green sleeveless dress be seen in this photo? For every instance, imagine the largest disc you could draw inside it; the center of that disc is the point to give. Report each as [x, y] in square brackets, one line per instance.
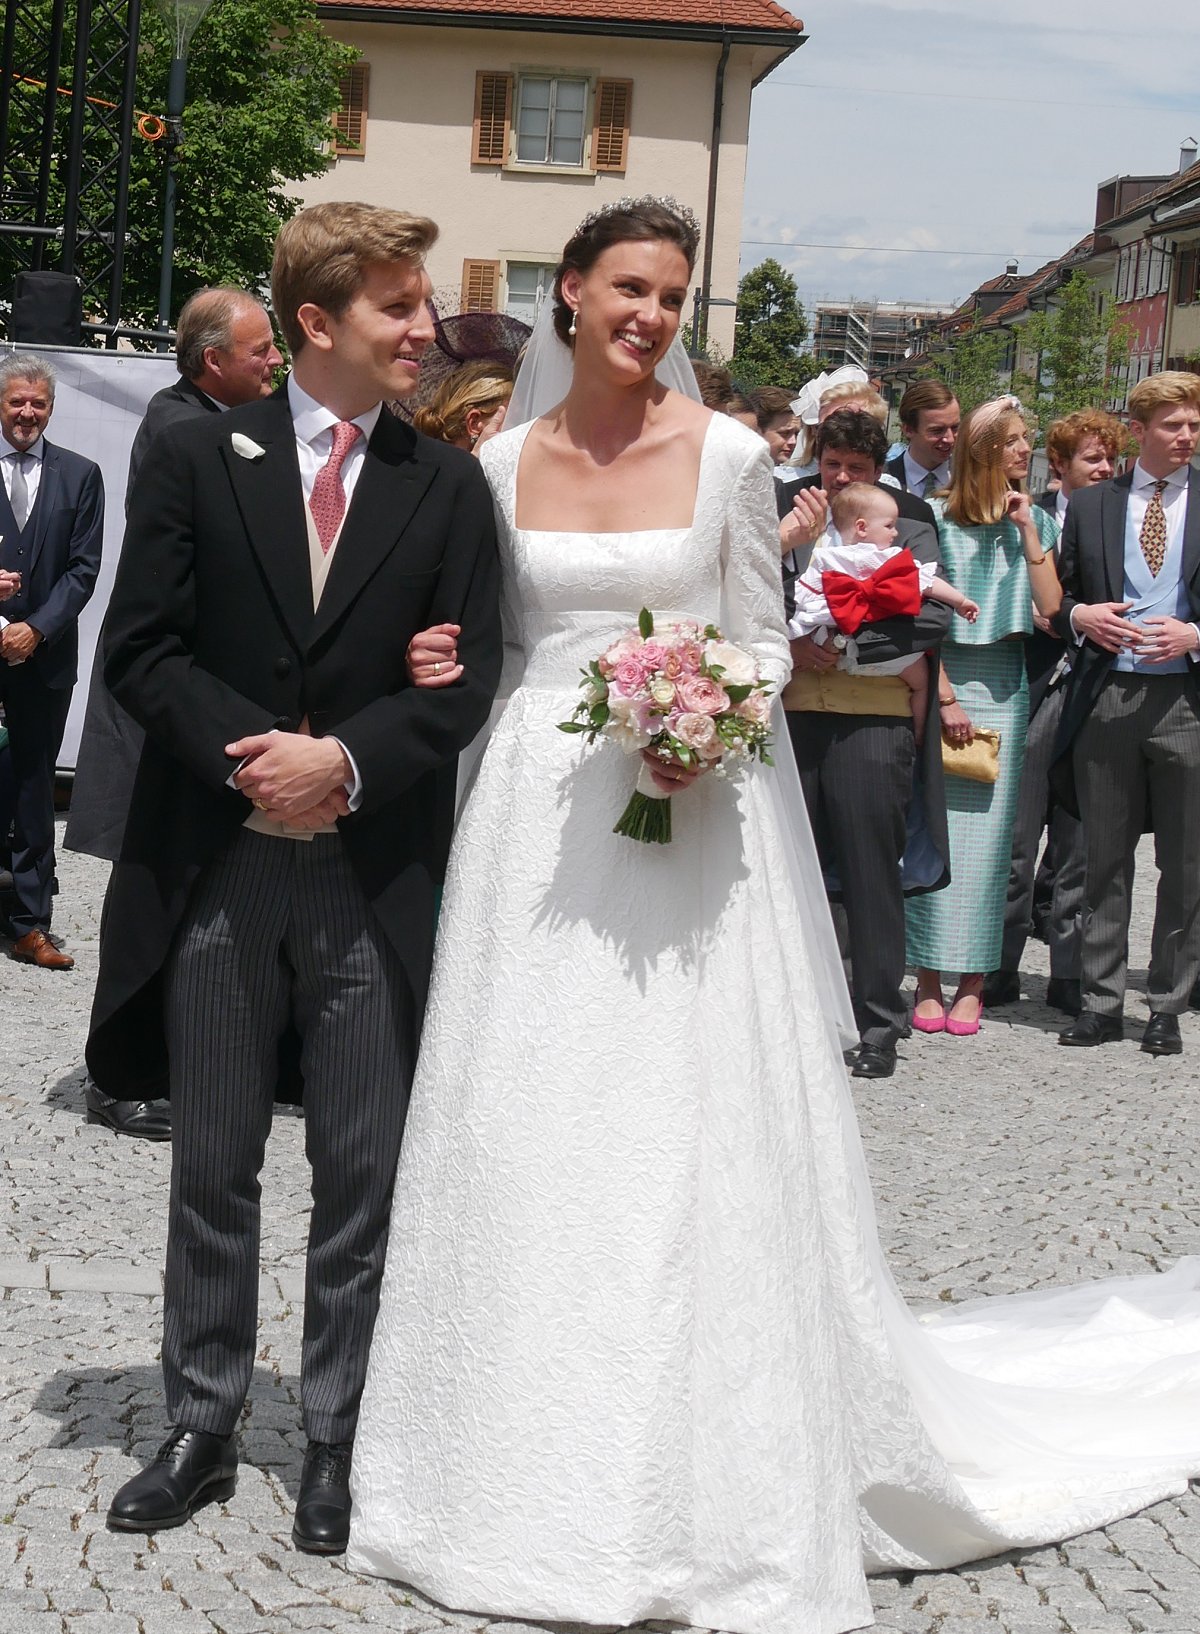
[960, 928]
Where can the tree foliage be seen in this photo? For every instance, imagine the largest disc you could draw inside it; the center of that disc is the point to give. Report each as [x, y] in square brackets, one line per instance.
[262, 86]
[1081, 347]
[974, 364]
[771, 329]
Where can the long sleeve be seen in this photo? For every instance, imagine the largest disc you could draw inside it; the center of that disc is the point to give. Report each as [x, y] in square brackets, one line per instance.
[752, 596]
[72, 590]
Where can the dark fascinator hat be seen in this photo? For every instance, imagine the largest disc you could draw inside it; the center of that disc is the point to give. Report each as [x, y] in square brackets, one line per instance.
[467, 337]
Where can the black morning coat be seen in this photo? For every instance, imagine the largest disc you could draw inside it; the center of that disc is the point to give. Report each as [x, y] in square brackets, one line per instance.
[211, 636]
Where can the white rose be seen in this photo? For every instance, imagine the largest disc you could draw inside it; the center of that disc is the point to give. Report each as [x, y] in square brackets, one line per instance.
[663, 691]
[624, 725]
[740, 669]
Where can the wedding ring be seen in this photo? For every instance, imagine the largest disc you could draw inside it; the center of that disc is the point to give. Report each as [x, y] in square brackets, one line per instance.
[437, 669]
[261, 804]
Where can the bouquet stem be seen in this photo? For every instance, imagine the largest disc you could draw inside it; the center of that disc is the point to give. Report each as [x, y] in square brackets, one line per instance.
[647, 817]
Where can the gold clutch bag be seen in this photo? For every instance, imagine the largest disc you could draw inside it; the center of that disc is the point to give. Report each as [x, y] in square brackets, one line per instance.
[978, 760]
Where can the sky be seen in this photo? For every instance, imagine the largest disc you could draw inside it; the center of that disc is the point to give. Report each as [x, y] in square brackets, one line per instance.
[958, 126]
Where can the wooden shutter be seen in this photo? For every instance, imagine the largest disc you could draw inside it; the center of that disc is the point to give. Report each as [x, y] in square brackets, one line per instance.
[610, 132]
[350, 121]
[493, 113]
[480, 286]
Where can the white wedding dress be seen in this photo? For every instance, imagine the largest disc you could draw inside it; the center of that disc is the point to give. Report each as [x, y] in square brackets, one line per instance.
[638, 1355]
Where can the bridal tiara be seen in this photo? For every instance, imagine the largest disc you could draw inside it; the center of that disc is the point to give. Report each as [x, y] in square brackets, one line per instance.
[686, 216]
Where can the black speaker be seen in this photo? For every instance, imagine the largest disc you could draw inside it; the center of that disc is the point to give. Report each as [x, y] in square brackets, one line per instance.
[47, 309]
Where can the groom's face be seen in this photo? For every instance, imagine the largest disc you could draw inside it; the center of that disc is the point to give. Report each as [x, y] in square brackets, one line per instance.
[384, 331]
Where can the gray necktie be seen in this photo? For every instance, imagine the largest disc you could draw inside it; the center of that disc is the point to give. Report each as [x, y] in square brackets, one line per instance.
[931, 483]
[19, 498]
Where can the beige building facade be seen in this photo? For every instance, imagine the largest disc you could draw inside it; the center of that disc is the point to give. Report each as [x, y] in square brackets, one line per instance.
[508, 136]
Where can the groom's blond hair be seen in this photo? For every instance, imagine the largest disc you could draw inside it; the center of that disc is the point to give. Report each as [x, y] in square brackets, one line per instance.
[322, 256]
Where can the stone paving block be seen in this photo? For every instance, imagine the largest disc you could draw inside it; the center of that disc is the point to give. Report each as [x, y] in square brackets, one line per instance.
[16, 1272]
[102, 1277]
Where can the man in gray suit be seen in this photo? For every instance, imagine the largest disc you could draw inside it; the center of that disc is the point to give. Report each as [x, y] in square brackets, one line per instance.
[227, 356]
[1130, 738]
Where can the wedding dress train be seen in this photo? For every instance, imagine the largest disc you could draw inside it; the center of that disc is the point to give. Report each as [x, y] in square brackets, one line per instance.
[638, 1353]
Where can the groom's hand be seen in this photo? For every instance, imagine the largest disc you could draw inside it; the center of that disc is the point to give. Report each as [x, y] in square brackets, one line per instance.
[288, 773]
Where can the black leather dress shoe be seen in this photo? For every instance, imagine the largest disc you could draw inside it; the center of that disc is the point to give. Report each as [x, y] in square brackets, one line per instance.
[1162, 1035]
[874, 1061]
[322, 1525]
[1001, 987]
[1064, 994]
[148, 1120]
[1194, 1001]
[190, 1469]
[1091, 1029]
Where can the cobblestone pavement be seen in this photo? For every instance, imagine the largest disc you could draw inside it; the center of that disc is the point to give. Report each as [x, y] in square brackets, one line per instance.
[1000, 1163]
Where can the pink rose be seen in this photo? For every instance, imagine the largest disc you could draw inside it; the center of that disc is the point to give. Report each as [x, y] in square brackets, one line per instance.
[653, 655]
[756, 708]
[690, 655]
[629, 676]
[626, 647]
[699, 733]
[672, 666]
[698, 695]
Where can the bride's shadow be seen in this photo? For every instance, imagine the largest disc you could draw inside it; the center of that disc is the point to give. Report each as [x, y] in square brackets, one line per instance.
[648, 904]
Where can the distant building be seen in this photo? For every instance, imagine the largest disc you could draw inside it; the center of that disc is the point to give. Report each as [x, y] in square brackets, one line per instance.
[872, 334]
[507, 121]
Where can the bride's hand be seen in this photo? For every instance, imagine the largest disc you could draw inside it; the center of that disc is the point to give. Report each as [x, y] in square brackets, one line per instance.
[670, 775]
[432, 656]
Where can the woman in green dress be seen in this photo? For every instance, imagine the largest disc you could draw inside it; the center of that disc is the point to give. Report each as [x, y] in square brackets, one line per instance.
[998, 551]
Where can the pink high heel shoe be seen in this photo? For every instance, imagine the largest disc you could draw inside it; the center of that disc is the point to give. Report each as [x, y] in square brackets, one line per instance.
[929, 1024]
[964, 1029]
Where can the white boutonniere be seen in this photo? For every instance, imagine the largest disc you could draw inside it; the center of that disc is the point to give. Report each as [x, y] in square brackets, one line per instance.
[246, 447]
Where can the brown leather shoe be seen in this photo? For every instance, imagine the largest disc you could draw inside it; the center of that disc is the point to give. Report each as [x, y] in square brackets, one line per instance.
[36, 948]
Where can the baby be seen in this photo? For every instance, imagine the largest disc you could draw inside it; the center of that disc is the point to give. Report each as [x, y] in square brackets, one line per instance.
[865, 577]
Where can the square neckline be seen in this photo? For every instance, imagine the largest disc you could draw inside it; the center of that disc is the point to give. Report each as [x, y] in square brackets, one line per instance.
[617, 533]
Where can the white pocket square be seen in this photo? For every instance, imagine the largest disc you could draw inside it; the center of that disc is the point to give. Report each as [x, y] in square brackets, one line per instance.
[246, 447]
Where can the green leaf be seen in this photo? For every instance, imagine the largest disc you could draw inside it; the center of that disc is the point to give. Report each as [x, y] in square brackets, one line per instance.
[600, 714]
[646, 623]
[738, 694]
[571, 726]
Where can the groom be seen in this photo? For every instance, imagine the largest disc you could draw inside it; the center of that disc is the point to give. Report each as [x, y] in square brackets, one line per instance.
[289, 827]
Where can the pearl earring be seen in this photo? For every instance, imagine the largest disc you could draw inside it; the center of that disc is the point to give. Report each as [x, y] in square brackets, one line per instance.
[574, 317]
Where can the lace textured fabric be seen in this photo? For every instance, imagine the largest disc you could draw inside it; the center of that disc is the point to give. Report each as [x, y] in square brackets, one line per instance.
[638, 1354]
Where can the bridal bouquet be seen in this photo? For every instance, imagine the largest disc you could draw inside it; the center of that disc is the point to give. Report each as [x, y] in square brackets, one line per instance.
[683, 691]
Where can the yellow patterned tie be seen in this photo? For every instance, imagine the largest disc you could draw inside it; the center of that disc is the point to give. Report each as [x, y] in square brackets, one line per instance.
[1154, 530]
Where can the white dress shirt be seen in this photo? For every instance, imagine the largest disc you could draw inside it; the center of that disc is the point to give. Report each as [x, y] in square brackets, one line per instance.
[915, 475]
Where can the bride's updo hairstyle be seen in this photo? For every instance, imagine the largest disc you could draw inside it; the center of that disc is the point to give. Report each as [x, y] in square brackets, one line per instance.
[628, 220]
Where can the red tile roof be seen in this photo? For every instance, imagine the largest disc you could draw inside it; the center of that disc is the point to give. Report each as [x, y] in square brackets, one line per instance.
[735, 15]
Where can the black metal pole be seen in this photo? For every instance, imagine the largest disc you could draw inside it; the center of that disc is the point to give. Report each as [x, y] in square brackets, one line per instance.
[74, 173]
[176, 97]
[133, 22]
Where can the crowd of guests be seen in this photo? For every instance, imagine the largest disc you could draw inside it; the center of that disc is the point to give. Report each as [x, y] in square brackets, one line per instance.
[993, 693]
[975, 779]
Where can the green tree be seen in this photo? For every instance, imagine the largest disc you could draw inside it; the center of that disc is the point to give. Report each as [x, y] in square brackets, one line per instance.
[262, 87]
[1080, 344]
[771, 329]
[973, 364]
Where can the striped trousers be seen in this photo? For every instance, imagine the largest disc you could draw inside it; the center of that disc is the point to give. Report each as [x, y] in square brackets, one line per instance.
[1140, 748]
[278, 933]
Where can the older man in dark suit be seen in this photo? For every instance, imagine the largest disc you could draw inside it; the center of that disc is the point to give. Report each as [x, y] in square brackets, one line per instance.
[1130, 737]
[52, 523]
[227, 356]
[289, 827]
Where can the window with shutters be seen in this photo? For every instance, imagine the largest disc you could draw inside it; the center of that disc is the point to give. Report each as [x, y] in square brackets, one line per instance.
[1187, 287]
[480, 286]
[529, 120]
[350, 121]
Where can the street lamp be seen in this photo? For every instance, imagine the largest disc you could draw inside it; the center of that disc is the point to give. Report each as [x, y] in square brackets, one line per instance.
[184, 17]
[700, 313]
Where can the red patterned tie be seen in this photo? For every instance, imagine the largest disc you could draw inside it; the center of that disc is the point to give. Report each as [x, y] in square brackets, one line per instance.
[328, 502]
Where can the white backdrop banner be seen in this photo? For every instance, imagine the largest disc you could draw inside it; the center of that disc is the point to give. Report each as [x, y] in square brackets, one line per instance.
[98, 407]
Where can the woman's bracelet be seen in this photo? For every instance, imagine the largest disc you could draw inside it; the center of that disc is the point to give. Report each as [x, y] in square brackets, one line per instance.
[946, 703]
[1034, 561]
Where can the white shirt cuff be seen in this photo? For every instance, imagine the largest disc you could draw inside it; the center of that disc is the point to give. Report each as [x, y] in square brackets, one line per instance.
[353, 786]
[1079, 639]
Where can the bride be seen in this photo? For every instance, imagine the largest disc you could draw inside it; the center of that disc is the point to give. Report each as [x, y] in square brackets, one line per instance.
[638, 1354]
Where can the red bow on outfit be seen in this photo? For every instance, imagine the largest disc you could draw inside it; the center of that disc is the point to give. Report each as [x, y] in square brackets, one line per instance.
[893, 588]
